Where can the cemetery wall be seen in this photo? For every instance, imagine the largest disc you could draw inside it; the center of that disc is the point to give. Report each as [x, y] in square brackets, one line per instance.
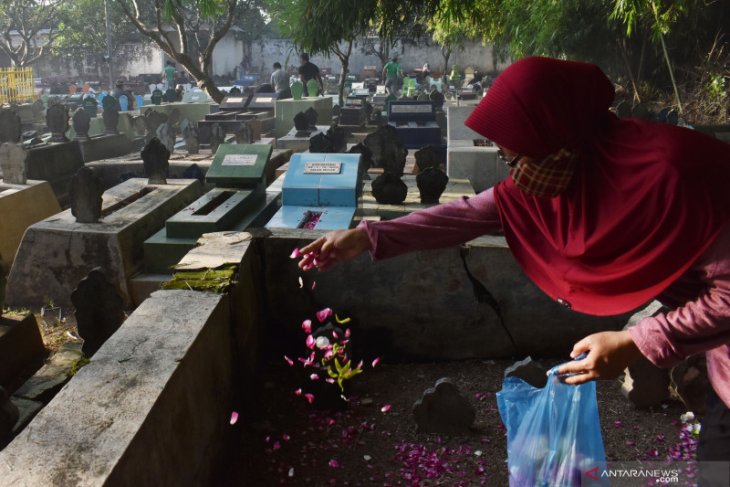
[137, 58]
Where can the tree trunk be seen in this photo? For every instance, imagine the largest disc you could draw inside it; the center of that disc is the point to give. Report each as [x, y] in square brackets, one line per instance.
[345, 60]
[446, 53]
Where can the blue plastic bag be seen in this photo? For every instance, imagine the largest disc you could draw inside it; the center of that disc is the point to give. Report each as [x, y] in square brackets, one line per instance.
[553, 433]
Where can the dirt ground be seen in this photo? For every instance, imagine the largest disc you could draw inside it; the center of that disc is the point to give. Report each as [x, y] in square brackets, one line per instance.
[290, 442]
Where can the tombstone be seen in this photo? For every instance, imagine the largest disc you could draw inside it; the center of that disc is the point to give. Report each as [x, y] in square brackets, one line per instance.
[155, 157]
[156, 96]
[217, 137]
[37, 108]
[297, 88]
[442, 409]
[312, 87]
[173, 117]
[110, 114]
[301, 124]
[437, 98]
[13, 163]
[192, 141]
[245, 134]
[389, 189]
[312, 117]
[90, 104]
[152, 120]
[330, 142]
[428, 157]
[99, 310]
[431, 184]
[57, 121]
[9, 126]
[387, 150]
[81, 123]
[86, 196]
[138, 123]
[529, 371]
[8, 417]
[234, 91]
[166, 135]
[169, 96]
[123, 103]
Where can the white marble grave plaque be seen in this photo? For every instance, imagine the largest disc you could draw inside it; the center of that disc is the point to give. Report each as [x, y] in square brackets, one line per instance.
[264, 100]
[236, 99]
[239, 160]
[322, 167]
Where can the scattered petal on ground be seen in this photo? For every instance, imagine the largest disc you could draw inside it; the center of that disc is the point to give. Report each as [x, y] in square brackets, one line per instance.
[385, 408]
[322, 315]
[234, 417]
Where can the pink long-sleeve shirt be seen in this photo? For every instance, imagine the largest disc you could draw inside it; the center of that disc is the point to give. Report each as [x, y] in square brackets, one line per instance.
[700, 298]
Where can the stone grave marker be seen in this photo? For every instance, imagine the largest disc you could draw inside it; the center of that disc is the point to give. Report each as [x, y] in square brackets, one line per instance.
[301, 124]
[90, 104]
[431, 184]
[528, 371]
[81, 123]
[152, 120]
[192, 141]
[217, 137]
[110, 115]
[174, 117]
[156, 96]
[38, 108]
[155, 157]
[123, 103]
[297, 89]
[166, 135]
[169, 96]
[57, 121]
[388, 152]
[443, 410]
[312, 117]
[244, 135]
[312, 87]
[99, 310]
[86, 192]
[13, 163]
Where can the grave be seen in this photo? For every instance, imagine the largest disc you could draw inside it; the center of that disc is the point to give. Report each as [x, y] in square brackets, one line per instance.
[467, 160]
[299, 143]
[233, 117]
[286, 110]
[22, 201]
[415, 123]
[56, 253]
[354, 113]
[239, 200]
[101, 146]
[319, 191]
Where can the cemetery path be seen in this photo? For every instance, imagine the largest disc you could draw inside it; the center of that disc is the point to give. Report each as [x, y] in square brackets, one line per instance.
[293, 443]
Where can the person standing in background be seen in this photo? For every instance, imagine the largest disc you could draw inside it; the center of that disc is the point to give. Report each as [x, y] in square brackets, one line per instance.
[168, 74]
[309, 71]
[391, 76]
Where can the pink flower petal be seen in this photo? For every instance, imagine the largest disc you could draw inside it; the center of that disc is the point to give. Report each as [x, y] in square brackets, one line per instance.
[333, 463]
[289, 361]
[295, 254]
[314, 377]
[335, 335]
[385, 408]
[309, 397]
[307, 326]
[285, 437]
[276, 445]
[314, 285]
[376, 362]
[298, 392]
[322, 315]
[347, 333]
[329, 380]
[310, 342]
[234, 417]
[359, 365]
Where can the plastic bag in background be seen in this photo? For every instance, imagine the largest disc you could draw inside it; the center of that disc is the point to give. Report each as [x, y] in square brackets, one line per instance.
[553, 433]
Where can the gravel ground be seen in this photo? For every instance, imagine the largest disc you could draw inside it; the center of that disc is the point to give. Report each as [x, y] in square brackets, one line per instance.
[290, 442]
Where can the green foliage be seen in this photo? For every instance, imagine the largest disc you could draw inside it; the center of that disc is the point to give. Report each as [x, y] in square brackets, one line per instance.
[659, 15]
[212, 280]
[83, 360]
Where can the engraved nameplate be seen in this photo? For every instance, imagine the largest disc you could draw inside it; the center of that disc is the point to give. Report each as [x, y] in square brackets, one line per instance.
[411, 108]
[234, 100]
[263, 100]
[322, 167]
[239, 160]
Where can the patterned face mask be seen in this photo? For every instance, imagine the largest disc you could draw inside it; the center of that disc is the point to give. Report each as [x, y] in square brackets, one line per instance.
[546, 178]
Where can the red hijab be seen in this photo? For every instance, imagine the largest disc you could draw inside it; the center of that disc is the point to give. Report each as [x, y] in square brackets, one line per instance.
[645, 201]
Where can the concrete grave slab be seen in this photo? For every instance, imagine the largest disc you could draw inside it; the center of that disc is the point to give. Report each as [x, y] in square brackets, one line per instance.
[21, 347]
[20, 207]
[285, 111]
[57, 253]
[151, 406]
[56, 163]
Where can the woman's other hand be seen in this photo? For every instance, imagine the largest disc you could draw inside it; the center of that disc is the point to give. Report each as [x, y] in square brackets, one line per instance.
[335, 247]
[608, 355]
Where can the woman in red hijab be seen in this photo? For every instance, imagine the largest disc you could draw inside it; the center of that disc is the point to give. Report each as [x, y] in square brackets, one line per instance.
[603, 215]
